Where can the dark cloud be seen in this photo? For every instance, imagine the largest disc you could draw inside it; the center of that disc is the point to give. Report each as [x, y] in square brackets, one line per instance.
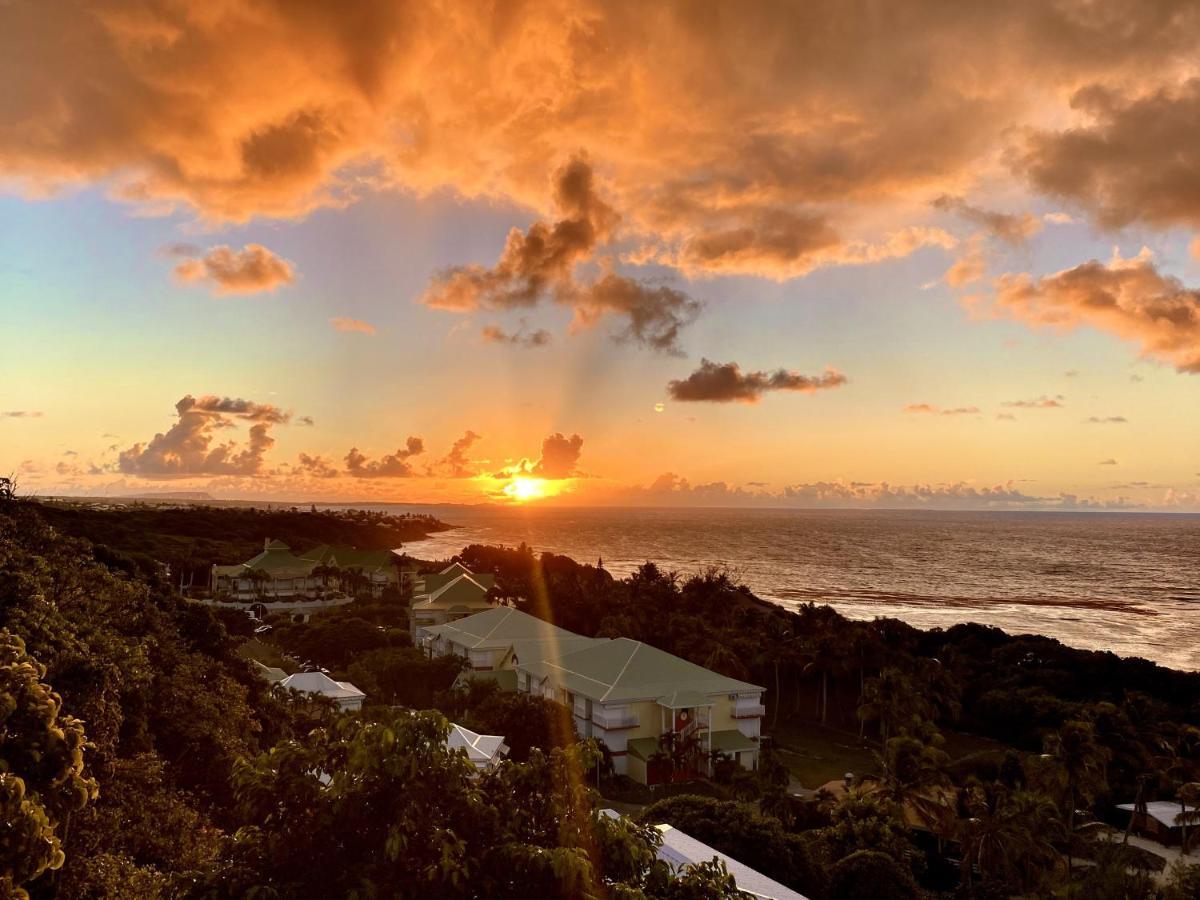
[1008, 227]
[187, 449]
[725, 383]
[1137, 160]
[560, 457]
[1129, 298]
[539, 264]
[251, 270]
[1106, 420]
[391, 465]
[456, 463]
[494, 334]
[655, 314]
[316, 466]
[1108, 462]
[21, 414]
[306, 421]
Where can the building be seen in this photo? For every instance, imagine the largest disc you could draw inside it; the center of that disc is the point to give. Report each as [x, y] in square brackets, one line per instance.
[447, 596]
[269, 673]
[277, 573]
[483, 750]
[680, 851]
[661, 717]
[1159, 820]
[347, 697]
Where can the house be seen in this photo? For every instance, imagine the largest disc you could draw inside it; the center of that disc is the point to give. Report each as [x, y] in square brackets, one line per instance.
[347, 697]
[277, 572]
[269, 673]
[680, 851]
[447, 596]
[483, 750]
[1159, 820]
[661, 717]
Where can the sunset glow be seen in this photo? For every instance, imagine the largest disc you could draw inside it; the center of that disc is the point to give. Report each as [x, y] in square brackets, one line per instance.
[900, 275]
[523, 489]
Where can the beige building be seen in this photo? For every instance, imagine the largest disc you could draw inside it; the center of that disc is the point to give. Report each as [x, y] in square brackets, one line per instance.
[660, 716]
[277, 573]
[447, 596]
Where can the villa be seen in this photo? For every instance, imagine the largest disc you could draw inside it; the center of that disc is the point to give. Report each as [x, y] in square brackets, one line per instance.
[660, 716]
[447, 596]
[485, 751]
[277, 572]
[346, 696]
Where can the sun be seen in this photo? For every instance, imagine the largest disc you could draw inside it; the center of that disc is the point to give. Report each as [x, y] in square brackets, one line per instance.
[522, 489]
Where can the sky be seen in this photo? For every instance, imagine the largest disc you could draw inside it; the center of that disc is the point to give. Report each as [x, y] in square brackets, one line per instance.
[784, 254]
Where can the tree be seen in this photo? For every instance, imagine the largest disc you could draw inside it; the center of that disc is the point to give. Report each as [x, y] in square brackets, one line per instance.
[914, 783]
[1008, 837]
[892, 700]
[1079, 763]
[42, 779]
[871, 875]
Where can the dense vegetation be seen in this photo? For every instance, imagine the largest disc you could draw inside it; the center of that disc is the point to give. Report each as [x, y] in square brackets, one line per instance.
[141, 757]
[191, 539]
[1084, 730]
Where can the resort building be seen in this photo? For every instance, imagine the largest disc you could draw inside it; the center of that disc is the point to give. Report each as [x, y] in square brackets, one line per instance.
[660, 716]
[1161, 820]
[483, 750]
[277, 573]
[347, 697]
[447, 596]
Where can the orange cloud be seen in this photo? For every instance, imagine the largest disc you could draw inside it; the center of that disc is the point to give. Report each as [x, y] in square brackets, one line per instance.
[186, 449]
[930, 409]
[715, 125]
[352, 325]
[494, 334]
[390, 465]
[1129, 298]
[252, 270]
[725, 382]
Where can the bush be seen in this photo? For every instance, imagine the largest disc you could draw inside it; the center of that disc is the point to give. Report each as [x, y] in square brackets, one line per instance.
[870, 875]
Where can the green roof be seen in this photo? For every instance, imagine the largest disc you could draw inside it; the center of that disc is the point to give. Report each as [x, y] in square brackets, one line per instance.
[624, 670]
[503, 626]
[732, 741]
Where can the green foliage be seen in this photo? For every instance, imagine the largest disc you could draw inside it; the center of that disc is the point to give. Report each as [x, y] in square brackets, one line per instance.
[870, 875]
[42, 778]
[526, 721]
[739, 830]
[404, 676]
[869, 822]
[137, 538]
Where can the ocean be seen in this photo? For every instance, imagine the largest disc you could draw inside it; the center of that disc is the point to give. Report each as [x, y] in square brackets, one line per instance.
[1124, 582]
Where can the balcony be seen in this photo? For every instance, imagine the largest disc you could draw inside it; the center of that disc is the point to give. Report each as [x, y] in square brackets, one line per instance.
[749, 711]
[612, 720]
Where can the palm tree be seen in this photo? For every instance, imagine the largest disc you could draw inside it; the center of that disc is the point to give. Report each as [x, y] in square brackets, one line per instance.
[893, 701]
[1080, 764]
[1008, 836]
[824, 657]
[914, 781]
[1188, 795]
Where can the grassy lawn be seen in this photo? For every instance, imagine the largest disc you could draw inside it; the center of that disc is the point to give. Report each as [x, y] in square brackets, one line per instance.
[815, 754]
[267, 654]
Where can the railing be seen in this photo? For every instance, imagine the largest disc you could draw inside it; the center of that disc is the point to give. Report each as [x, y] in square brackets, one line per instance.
[749, 711]
[611, 720]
